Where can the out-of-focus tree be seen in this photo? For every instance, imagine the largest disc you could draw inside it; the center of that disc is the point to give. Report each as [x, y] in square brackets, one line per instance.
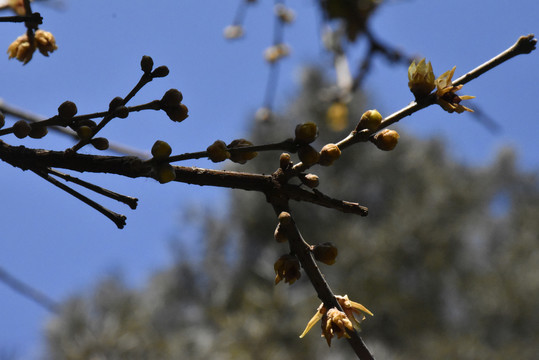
[447, 261]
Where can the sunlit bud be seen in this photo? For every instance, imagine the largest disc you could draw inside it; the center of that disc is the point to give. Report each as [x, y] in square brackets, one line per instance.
[308, 155]
[337, 116]
[67, 110]
[328, 154]
[285, 218]
[386, 139]
[84, 133]
[160, 71]
[218, 151]
[100, 143]
[311, 180]
[21, 49]
[21, 129]
[241, 157]
[164, 173]
[146, 64]
[233, 32]
[306, 133]
[326, 253]
[161, 150]
[173, 97]
[45, 42]
[284, 161]
[280, 234]
[276, 52]
[285, 15]
[421, 79]
[371, 120]
[287, 267]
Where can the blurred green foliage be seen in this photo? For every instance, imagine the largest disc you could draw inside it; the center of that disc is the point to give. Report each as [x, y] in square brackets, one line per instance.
[448, 261]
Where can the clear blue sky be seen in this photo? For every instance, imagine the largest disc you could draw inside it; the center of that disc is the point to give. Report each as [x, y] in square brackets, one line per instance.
[60, 246]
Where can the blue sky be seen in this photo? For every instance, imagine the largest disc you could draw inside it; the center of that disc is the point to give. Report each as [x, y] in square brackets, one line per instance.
[60, 246]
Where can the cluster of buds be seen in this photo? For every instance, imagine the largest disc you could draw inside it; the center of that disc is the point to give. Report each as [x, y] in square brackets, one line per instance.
[287, 267]
[22, 129]
[276, 52]
[23, 47]
[336, 322]
[171, 103]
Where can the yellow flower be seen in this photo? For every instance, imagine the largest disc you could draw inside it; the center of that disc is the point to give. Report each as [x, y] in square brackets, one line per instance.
[21, 49]
[335, 322]
[287, 267]
[45, 41]
[446, 95]
[17, 6]
[421, 79]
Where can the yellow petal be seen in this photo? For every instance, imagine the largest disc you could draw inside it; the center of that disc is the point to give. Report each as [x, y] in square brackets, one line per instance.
[316, 318]
[358, 306]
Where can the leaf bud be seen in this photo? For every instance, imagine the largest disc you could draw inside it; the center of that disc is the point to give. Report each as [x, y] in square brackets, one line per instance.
[306, 133]
[311, 180]
[146, 64]
[21, 129]
[161, 150]
[284, 161]
[326, 253]
[160, 71]
[218, 151]
[328, 154]
[308, 155]
[100, 143]
[386, 139]
[67, 110]
[371, 120]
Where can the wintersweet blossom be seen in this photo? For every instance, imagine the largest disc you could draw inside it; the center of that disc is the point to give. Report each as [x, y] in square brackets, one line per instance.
[446, 95]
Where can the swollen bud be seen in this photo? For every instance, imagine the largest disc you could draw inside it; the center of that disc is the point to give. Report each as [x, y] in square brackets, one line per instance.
[284, 161]
[84, 133]
[386, 139]
[161, 150]
[311, 180]
[146, 64]
[21, 129]
[67, 110]
[370, 120]
[306, 133]
[241, 157]
[164, 173]
[328, 154]
[326, 253]
[100, 143]
[160, 71]
[218, 151]
[308, 155]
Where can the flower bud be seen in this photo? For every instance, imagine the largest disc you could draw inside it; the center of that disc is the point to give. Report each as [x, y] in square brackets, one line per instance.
[21, 49]
[306, 133]
[308, 155]
[161, 150]
[100, 143]
[146, 64]
[241, 157]
[328, 154]
[173, 97]
[218, 151]
[326, 253]
[386, 139]
[160, 71]
[311, 180]
[84, 133]
[284, 161]
[280, 234]
[370, 120]
[164, 173]
[67, 110]
[421, 79]
[21, 129]
[287, 267]
[233, 32]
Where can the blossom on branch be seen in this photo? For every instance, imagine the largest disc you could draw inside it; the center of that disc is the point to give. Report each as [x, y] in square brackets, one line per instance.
[23, 48]
[446, 95]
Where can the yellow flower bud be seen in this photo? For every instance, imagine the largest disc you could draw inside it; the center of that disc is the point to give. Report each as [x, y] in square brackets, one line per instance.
[311, 180]
[308, 155]
[218, 151]
[84, 133]
[21, 49]
[306, 133]
[421, 79]
[241, 157]
[371, 120]
[287, 267]
[328, 154]
[284, 161]
[161, 150]
[45, 41]
[386, 139]
[164, 173]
